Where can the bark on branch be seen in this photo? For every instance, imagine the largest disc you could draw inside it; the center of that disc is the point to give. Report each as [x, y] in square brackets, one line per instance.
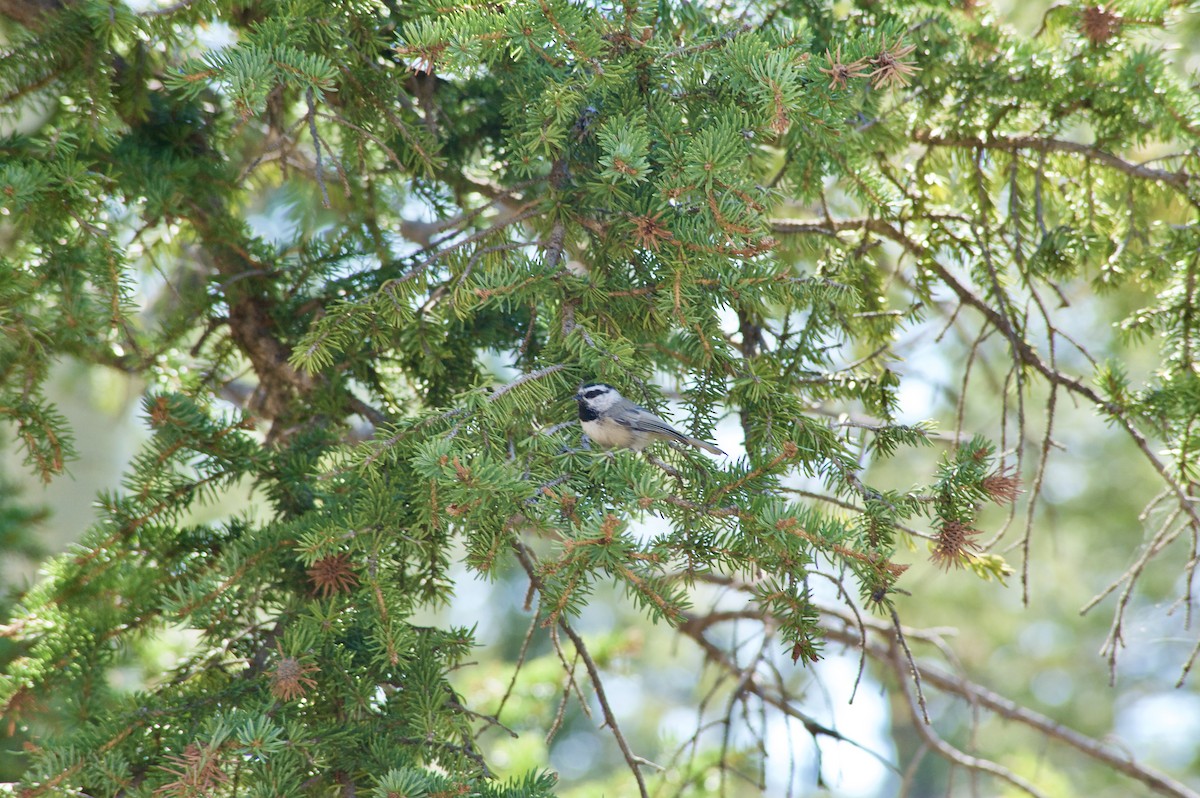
[28, 12]
[1179, 180]
[250, 324]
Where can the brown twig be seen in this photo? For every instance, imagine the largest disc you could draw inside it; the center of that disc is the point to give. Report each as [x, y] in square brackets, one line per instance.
[526, 558]
[694, 628]
[1179, 180]
[970, 691]
[851, 630]
[1022, 349]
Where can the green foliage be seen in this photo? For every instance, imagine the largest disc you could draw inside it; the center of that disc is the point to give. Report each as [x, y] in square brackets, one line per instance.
[744, 215]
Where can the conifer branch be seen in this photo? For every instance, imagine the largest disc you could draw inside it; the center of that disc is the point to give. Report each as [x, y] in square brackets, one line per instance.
[851, 631]
[249, 318]
[526, 558]
[519, 214]
[1021, 347]
[1179, 180]
[978, 695]
[476, 151]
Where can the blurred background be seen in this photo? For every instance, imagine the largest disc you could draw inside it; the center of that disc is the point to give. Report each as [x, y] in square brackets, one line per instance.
[1095, 510]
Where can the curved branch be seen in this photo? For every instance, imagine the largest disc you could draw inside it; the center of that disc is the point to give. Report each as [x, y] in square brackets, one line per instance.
[250, 322]
[694, 628]
[525, 557]
[978, 695]
[925, 731]
[851, 631]
[1179, 180]
[1021, 348]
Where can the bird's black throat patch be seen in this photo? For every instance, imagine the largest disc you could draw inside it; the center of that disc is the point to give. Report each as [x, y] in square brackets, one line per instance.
[586, 413]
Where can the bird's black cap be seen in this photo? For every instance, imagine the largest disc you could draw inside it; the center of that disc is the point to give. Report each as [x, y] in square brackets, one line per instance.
[584, 389]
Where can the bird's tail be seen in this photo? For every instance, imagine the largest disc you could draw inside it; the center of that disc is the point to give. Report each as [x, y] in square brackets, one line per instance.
[708, 447]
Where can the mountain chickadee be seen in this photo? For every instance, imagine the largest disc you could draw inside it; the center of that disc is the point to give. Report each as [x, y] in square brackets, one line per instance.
[614, 422]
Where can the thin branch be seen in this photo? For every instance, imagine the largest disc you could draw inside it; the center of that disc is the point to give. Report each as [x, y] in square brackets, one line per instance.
[524, 378]
[517, 667]
[1109, 755]
[694, 626]
[1021, 348]
[914, 671]
[525, 557]
[849, 629]
[1179, 180]
[522, 213]
[929, 736]
[711, 44]
[319, 171]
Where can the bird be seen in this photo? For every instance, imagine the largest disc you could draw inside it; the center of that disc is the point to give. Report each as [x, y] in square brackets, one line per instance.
[614, 422]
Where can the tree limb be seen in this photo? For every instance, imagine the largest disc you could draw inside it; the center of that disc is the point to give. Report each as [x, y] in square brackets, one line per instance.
[981, 696]
[525, 557]
[1179, 180]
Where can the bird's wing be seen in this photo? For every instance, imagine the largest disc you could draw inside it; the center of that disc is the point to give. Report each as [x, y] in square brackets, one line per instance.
[644, 421]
